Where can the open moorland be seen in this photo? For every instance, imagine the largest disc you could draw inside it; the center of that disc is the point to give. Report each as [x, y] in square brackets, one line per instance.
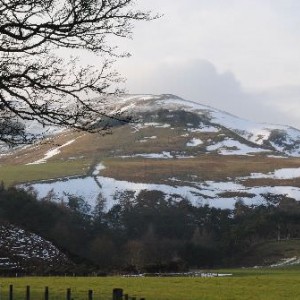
[117, 151]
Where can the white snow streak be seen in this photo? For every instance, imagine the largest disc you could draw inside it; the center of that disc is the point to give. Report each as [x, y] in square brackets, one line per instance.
[51, 153]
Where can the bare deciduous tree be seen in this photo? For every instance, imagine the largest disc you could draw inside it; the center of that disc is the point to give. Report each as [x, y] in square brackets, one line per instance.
[37, 83]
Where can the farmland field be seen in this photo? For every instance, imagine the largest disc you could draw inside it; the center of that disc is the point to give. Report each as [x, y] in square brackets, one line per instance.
[244, 284]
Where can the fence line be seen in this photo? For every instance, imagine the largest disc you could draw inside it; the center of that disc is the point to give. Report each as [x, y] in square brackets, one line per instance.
[117, 294]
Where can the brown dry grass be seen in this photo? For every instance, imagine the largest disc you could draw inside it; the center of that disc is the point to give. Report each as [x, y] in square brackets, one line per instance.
[205, 167]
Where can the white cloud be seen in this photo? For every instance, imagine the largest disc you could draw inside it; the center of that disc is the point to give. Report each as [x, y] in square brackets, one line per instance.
[257, 40]
[199, 48]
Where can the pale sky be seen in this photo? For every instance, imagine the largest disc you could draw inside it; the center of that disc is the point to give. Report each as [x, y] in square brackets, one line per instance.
[242, 56]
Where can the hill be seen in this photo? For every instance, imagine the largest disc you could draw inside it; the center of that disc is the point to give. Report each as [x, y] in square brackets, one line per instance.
[161, 177]
[174, 146]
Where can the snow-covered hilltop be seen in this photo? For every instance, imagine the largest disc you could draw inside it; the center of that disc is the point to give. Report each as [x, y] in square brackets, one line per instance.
[147, 110]
[280, 138]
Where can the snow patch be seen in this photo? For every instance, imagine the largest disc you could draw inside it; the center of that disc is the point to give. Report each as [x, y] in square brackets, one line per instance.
[233, 147]
[97, 169]
[137, 127]
[163, 155]
[204, 129]
[51, 153]
[286, 262]
[21, 243]
[205, 193]
[89, 189]
[285, 173]
[194, 142]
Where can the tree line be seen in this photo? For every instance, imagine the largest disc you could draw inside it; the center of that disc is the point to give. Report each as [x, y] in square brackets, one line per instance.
[151, 233]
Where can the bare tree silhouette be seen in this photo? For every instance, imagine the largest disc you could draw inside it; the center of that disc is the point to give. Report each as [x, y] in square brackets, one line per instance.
[36, 83]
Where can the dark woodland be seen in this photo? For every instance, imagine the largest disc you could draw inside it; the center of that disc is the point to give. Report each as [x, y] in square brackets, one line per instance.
[152, 234]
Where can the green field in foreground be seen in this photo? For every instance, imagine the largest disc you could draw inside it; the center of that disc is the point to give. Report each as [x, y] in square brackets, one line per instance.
[244, 284]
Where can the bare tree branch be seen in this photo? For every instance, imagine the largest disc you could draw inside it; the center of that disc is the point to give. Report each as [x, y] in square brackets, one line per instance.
[36, 84]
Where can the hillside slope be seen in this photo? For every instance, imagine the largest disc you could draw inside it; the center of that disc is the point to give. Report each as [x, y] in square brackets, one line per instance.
[177, 147]
[23, 251]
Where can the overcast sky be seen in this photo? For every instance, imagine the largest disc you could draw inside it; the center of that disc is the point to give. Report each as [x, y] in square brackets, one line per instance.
[242, 56]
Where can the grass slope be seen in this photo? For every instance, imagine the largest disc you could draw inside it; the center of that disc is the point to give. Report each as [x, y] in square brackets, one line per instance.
[271, 252]
[87, 150]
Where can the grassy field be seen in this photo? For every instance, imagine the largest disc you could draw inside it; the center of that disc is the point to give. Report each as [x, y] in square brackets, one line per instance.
[244, 284]
[14, 174]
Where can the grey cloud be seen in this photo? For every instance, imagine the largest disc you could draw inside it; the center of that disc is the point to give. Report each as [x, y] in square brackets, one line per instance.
[199, 80]
[195, 80]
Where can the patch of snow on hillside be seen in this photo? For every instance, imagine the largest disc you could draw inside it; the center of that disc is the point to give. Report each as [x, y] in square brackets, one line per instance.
[288, 191]
[51, 153]
[254, 132]
[194, 142]
[286, 262]
[294, 151]
[25, 244]
[233, 147]
[180, 104]
[293, 133]
[97, 169]
[209, 129]
[258, 133]
[147, 138]
[157, 125]
[164, 155]
[204, 129]
[38, 130]
[229, 203]
[90, 190]
[140, 126]
[126, 98]
[197, 193]
[124, 109]
[285, 173]
[182, 156]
